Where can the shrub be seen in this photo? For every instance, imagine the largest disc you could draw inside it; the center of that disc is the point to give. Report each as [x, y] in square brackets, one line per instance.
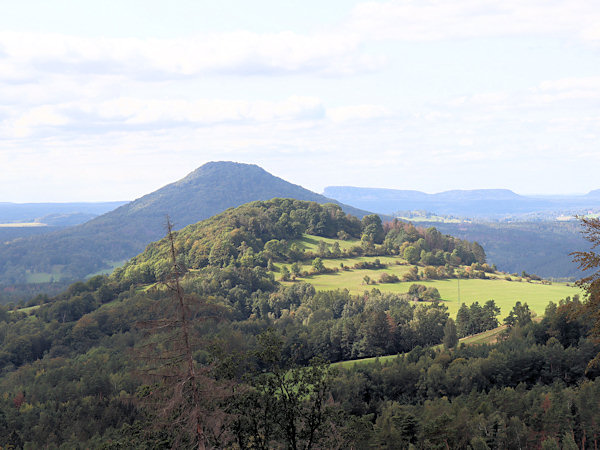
[369, 265]
[421, 292]
[388, 278]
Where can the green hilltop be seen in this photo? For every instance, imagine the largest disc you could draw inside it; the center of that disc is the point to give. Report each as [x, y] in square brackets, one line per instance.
[268, 231]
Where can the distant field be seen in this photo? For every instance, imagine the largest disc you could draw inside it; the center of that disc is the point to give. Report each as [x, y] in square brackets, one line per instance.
[22, 225]
[43, 277]
[425, 219]
[504, 293]
[112, 266]
[57, 274]
[28, 309]
[352, 362]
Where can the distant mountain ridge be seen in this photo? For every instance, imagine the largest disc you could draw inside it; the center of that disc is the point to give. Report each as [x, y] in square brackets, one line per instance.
[595, 193]
[530, 238]
[543, 248]
[478, 194]
[78, 251]
[477, 203]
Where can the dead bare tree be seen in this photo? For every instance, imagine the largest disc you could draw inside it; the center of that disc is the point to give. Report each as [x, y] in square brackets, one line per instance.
[181, 396]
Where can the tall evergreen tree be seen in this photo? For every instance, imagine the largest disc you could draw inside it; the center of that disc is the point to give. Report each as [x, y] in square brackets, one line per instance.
[450, 336]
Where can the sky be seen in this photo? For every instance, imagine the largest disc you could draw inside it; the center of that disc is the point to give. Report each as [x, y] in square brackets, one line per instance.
[112, 100]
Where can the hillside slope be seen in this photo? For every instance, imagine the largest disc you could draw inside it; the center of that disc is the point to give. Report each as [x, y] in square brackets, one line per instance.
[76, 252]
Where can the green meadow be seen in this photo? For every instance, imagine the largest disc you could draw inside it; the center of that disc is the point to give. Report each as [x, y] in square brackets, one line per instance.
[45, 277]
[453, 291]
[57, 273]
[311, 243]
[112, 265]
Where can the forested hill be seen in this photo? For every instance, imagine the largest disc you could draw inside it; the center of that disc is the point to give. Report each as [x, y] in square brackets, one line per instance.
[258, 232]
[76, 252]
[120, 362]
[248, 235]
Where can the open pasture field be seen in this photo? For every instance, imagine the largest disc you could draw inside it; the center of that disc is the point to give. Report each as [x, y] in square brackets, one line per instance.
[504, 293]
[44, 277]
[57, 273]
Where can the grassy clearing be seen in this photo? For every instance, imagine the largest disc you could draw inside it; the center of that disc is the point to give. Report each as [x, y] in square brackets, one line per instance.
[311, 243]
[112, 265]
[453, 291]
[57, 273]
[43, 277]
[28, 309]
[504, 293]
[487, 337]
[351, 363]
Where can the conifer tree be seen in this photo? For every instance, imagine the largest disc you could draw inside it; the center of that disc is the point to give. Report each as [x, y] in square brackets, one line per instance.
[450, 336]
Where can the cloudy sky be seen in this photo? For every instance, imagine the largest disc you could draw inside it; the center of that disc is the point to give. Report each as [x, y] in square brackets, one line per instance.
[112, 99]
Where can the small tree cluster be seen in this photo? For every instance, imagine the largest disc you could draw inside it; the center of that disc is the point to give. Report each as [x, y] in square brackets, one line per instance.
[476, 318]
[424, 293]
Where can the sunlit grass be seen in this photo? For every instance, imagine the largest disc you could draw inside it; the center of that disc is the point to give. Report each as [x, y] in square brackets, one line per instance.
[487, 337]
[504, 293]
[454, 292]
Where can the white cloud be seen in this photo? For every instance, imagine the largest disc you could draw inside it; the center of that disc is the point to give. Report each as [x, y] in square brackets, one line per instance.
[567, 89]
[239, 53]
[37, 118]
[588, 83]
[339, 51]
[78, 103]
[358, 112]
[131, 114]
[578, 95]
[430, 20]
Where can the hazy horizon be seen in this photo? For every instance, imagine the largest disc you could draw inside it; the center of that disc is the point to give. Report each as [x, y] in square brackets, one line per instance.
[322, 192]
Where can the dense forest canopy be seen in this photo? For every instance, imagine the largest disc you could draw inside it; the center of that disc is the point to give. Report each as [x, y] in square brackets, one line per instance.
[91, 366]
